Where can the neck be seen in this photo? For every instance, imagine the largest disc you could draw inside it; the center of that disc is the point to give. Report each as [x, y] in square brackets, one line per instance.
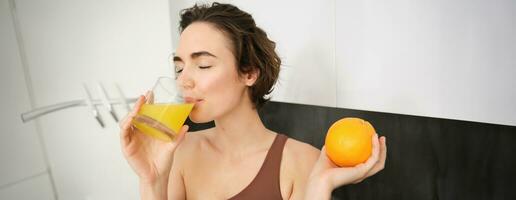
[241, 130]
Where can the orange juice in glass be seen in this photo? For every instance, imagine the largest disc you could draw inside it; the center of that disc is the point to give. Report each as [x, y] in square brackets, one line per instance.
[164, 113]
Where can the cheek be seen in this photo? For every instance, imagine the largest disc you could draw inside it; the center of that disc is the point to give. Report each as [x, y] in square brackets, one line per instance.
[220, 85]
[214, 86]
[221, 93]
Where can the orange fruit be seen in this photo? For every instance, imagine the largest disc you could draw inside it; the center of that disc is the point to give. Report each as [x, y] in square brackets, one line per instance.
[349, 141]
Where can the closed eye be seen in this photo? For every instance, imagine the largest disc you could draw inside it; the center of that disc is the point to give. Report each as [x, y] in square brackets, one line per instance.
[178, 71]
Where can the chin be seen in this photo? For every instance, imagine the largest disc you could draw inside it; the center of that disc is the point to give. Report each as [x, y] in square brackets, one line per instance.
[199, 118]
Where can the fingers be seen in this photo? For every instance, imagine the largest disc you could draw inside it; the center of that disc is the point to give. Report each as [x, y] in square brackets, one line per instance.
[149, 96]
[323, 160]
[134, 112]
[126, 124]
[323, 153]
[179, 138]
[151, 122]
[181, 134]
[380, 164]
[364, 169]
[345, 175]
[370, 163]
[383, 152]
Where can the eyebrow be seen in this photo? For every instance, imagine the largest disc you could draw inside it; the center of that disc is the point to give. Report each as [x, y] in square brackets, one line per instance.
[194, 55]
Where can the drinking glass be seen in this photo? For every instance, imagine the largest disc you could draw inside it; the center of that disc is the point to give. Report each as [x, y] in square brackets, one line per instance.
[165, 111]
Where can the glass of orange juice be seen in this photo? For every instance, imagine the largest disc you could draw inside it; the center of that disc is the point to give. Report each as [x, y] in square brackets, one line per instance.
[164, 113]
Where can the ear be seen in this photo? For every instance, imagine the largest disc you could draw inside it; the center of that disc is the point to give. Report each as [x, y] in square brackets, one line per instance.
[251, 77]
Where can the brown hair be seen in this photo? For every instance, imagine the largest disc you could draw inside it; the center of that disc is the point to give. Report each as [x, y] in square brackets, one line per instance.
[252, 48]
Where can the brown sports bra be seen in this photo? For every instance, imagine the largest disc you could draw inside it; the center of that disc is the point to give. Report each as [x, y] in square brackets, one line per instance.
[266, 184]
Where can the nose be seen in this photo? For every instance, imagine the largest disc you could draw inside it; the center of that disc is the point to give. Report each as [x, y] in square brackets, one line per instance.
[184, 80]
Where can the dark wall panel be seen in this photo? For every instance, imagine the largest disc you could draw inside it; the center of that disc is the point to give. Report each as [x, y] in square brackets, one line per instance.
[428, 158]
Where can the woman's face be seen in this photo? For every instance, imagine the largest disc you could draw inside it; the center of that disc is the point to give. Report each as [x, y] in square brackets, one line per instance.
[207, 74]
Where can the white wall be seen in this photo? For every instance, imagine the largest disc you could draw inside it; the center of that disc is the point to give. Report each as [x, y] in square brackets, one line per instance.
[23, 172]
[37, 187]
[447, 59]
[69, 43]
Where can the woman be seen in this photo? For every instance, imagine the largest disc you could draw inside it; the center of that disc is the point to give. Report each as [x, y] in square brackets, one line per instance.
[225, 64]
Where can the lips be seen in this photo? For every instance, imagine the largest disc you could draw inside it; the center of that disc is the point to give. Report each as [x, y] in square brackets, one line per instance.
[192, 100]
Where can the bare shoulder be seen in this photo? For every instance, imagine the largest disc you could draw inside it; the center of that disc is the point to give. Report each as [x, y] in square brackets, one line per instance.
[296, 166]
[300, 156]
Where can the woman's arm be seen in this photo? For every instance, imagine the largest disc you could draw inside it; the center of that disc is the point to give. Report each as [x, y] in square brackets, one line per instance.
[169, 188]
[326, 176]
[153, 191]
[150, 159]
[176, 187]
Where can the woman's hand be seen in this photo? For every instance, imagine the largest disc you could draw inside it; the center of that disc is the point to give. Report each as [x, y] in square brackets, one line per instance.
[151, 159]
[327, 176]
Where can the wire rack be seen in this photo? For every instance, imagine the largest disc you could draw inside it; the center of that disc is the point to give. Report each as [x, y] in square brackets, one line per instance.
[93, 104]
